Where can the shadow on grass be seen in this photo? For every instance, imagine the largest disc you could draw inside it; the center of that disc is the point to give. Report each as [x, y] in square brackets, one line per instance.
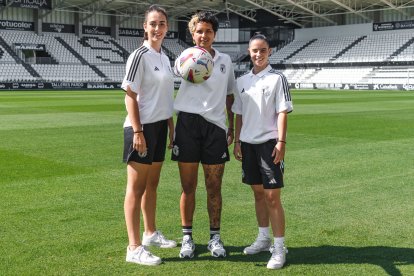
[386, 257]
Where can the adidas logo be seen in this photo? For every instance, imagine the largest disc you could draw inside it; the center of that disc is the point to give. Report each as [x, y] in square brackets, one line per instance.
[272, 181]
[156, 69]
[224, 156]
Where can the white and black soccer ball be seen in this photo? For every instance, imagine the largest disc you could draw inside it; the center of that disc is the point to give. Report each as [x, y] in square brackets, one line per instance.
[194, 65]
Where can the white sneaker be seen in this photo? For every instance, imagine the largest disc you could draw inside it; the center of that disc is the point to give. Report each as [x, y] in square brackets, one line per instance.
[216, 247]
[157, 239]
[187, 247]
[278, 258]
[141, 255]
[259, 245]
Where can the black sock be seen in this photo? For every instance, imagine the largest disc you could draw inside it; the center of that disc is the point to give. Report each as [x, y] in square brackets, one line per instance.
[188, 230]
[214, 231]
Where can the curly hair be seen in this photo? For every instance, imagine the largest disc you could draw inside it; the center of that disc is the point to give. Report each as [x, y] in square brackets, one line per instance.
[203, 16]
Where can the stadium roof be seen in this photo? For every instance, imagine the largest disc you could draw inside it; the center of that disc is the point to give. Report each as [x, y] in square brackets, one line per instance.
[297, 12]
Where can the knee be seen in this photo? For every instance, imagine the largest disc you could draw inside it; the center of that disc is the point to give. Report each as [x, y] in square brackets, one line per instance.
[259, 195]
[189, 188]
[272, 201]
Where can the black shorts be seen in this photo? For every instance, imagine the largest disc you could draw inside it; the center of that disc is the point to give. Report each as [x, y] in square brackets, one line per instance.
[156, 138]
[258, 166]
[197, 140]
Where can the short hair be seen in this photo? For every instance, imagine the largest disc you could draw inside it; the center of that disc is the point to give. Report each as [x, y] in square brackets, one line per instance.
[203, 16]
[258, 35]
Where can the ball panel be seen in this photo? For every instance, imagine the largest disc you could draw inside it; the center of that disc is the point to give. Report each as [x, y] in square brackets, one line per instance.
[195, 65]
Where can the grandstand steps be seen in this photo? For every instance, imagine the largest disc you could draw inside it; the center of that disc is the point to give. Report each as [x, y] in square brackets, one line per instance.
[18, 60]
[313, 73]
[346, 49]
[125, 53]
[80, 58]
[9, 50]
[300, 49]
[401, 49]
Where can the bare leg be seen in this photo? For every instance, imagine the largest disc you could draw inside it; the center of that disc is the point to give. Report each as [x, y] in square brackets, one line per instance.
[276, 212]
[262, 214]
[189, 177]
[137, 175]
[149, 199]
[213, 176]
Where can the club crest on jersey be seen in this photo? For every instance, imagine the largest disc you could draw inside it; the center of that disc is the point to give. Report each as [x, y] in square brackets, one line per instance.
[266, 90]
[223, 68]
[176, 150]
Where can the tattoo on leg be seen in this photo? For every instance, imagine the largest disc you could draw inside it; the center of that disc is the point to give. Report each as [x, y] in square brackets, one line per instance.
[213, 177]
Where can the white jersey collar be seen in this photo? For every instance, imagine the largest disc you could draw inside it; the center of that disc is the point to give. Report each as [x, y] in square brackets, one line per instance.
[152, 50]
[261, 73]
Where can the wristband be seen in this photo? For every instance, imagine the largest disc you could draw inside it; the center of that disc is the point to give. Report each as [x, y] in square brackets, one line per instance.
[139, 131]
[281, 141]
[237, 142]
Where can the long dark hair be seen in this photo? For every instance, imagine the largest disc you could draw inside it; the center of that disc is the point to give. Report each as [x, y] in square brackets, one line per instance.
[152, 8]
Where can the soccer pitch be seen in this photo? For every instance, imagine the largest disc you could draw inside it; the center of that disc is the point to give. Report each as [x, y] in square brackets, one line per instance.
[348, 196]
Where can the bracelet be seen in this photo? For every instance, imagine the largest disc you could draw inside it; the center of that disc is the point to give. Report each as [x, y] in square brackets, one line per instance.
[281, 141]
[237, 142]
[139, 131]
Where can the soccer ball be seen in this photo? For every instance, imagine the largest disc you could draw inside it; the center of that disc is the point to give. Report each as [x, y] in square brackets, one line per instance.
[194, 65]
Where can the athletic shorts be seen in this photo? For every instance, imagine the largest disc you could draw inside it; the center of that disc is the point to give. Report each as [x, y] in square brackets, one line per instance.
[156, 138]
[258, 166]
[197, 140]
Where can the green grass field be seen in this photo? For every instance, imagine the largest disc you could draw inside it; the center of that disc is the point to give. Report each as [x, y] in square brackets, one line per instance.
[348, 197]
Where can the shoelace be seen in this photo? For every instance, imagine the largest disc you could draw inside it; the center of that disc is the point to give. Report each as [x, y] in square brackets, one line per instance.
[146, 252]
[216, 242]
[187, 243]
[161, 237]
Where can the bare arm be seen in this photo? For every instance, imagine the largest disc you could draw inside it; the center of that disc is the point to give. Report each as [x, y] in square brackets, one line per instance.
[170, 132]
[230, 118]
[237, 146]
[279, 150]
[139, 142]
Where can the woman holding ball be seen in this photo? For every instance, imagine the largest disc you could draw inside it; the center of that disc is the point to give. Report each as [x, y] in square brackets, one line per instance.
[202, 135]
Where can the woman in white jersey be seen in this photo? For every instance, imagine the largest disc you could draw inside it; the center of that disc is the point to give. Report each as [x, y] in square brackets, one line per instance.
[149, 90]
[261, 105]
[201, 135]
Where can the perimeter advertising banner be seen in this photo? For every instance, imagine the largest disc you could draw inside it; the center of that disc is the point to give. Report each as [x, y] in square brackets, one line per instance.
[32, 4]
[58, 28]
[393, 25]
[16, 25]
[96, 30]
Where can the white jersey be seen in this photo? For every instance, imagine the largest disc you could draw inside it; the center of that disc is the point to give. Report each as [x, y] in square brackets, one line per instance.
[208, 99]
[149, 75]
[259, 98]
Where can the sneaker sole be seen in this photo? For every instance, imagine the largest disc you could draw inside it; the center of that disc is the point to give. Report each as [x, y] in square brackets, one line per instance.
[187, 256]
[257, 252]
[160, 245]
[218, 255]
[150, 264]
